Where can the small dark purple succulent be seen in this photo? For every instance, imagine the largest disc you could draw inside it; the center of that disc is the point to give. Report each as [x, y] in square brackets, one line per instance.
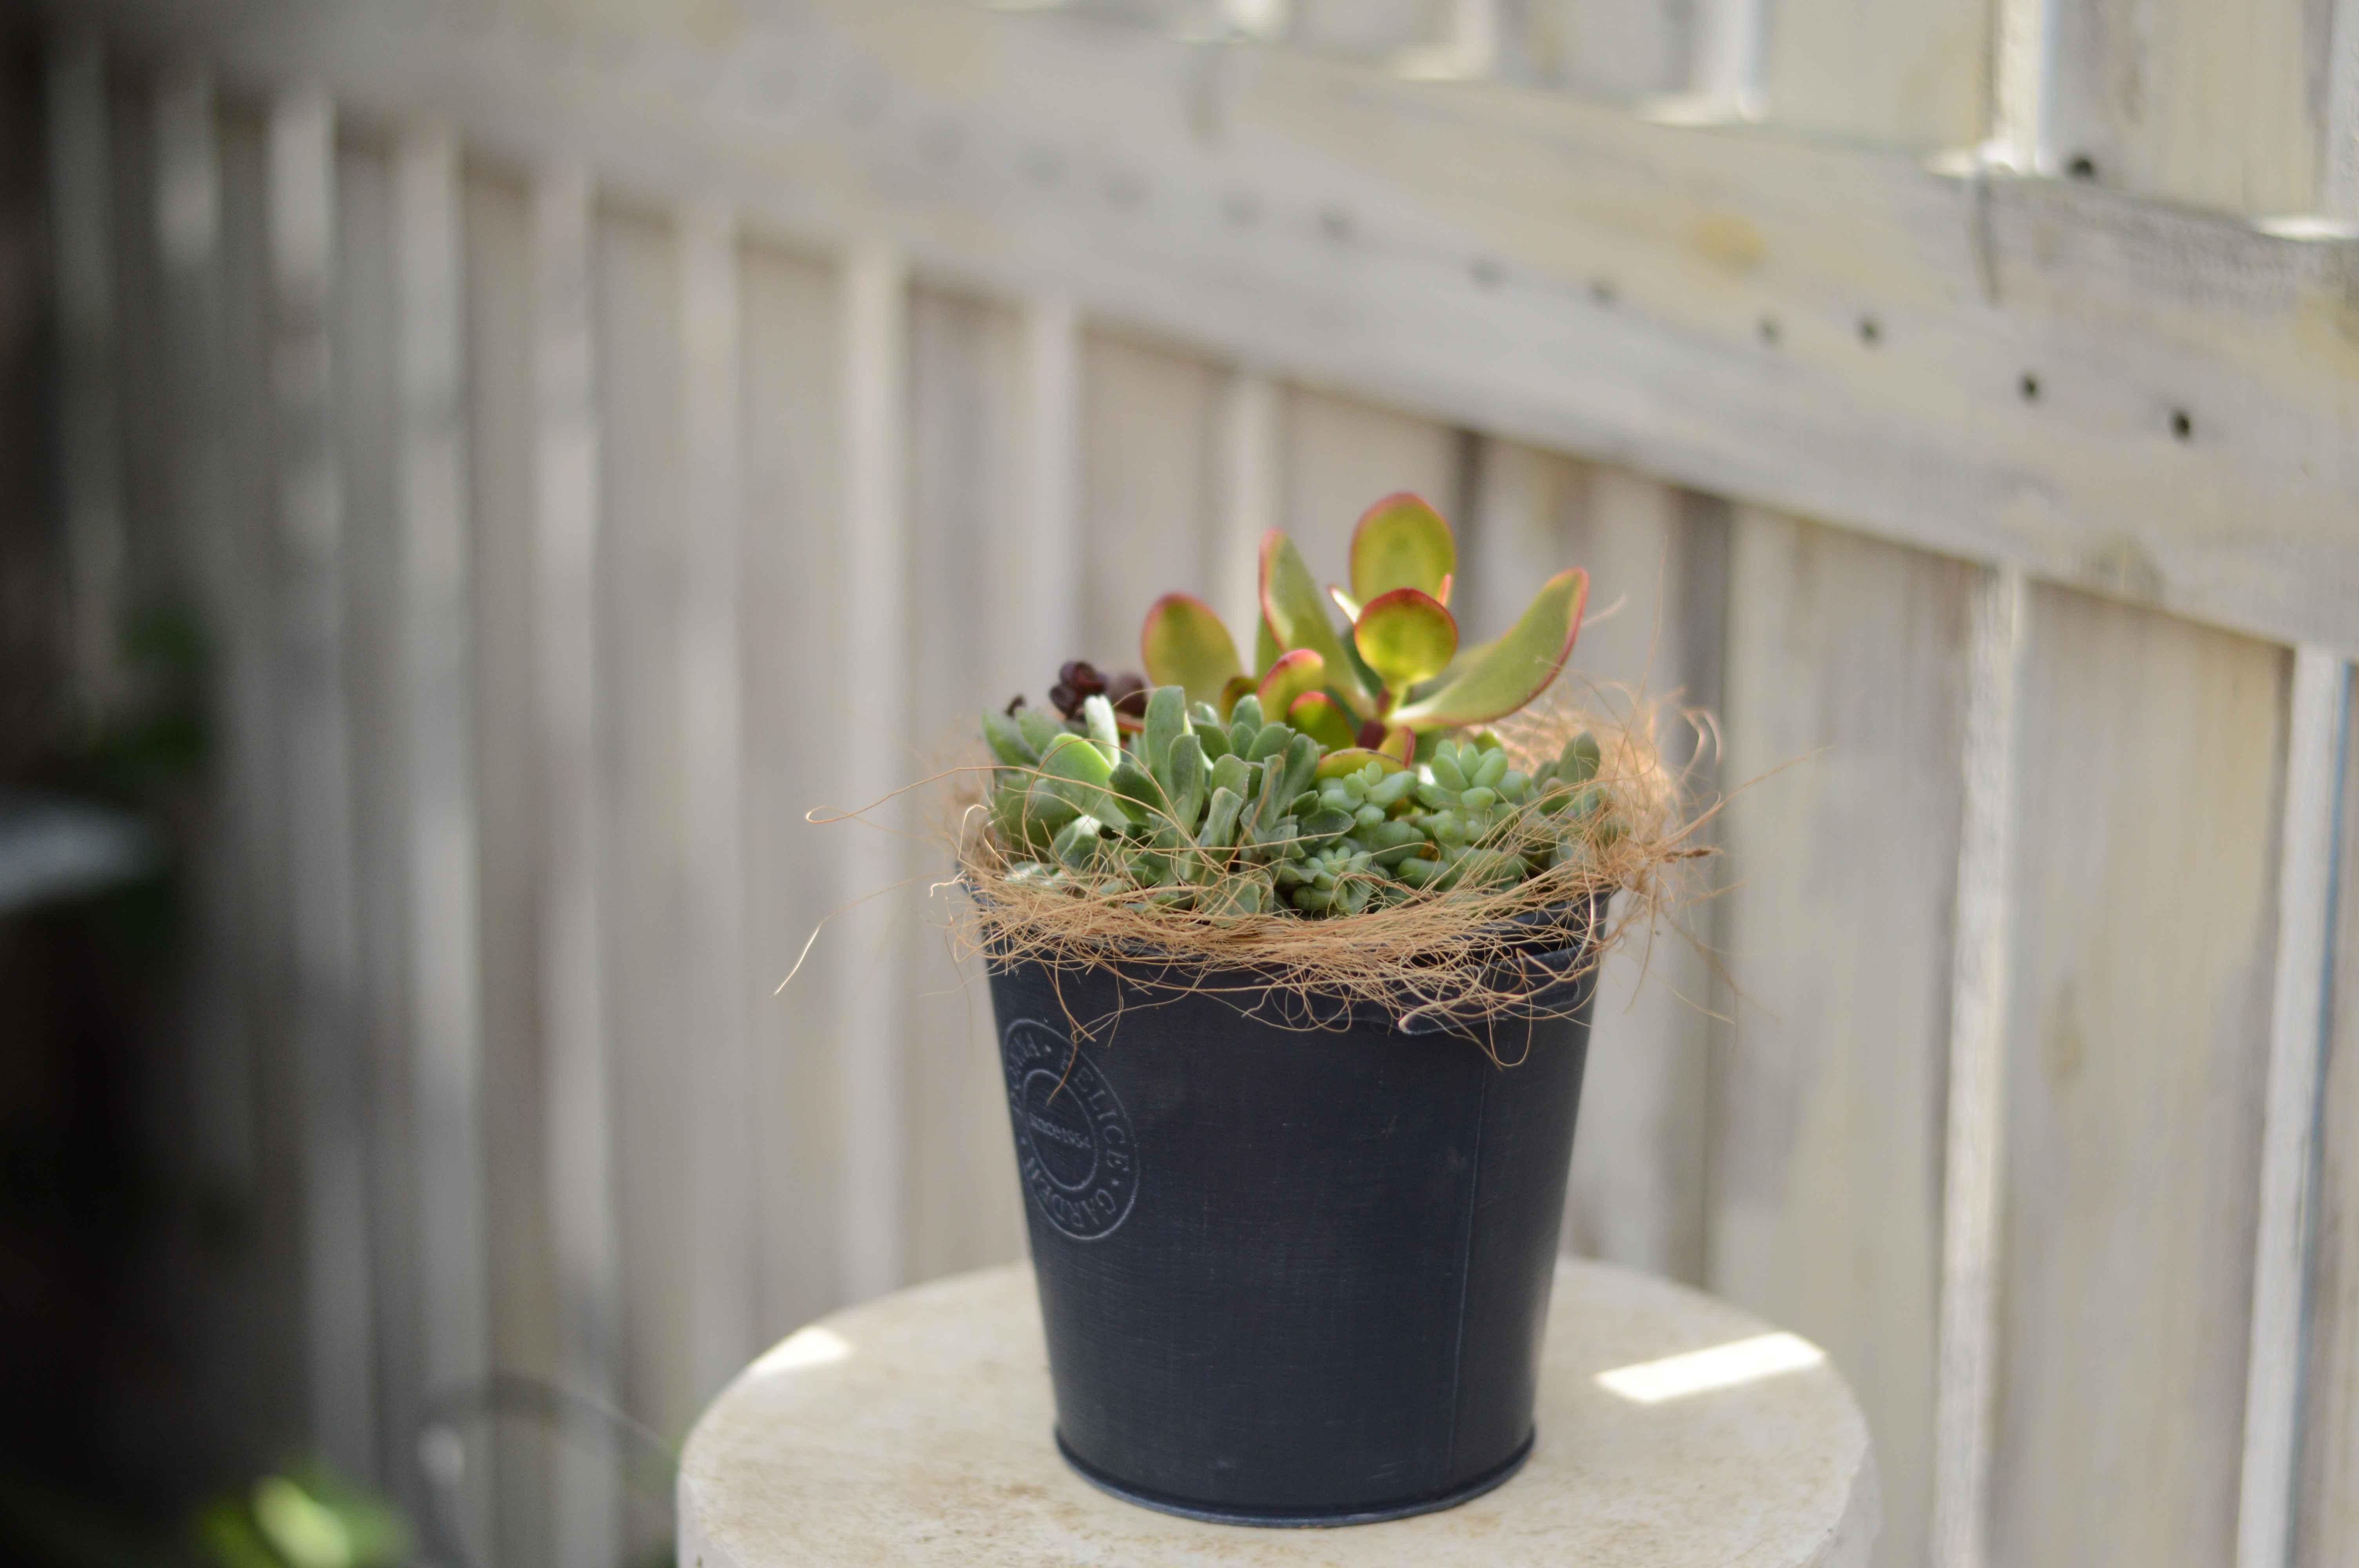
[1079, 680]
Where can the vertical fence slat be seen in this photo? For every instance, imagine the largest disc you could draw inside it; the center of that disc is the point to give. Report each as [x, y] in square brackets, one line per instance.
[1035, 612]
[1252, 462]
[572, 1001]
[2339, 121]
[1978, 1012]
[1845, 733]
[1341, 455]
[316, 733]
[2298, 1021]
[2326, 1529]
[82, 187]
[792, 361]
[1906, 72]
[1150, 506]
[445, 1001]
[719, 1136]
[2136, 1059]
[870, 1012]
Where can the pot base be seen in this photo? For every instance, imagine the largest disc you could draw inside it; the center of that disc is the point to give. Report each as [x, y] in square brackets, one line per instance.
[1315, 1518]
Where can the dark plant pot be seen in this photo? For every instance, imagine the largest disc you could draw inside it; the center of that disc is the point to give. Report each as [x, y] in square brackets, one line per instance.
[1289, 1276]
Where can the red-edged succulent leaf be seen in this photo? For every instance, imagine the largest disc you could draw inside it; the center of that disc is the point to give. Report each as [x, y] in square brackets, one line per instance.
[1407, 636]
[1402, 542]
[1294, 674]
[1352, 759]
[1400, 745]
[1344, 601]
[1297, 617]
[1322, 719]
[1235, 687]
[1513, 670]
[1183, 644]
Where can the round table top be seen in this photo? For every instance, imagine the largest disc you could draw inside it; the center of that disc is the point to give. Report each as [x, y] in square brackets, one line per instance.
[1673, 1430]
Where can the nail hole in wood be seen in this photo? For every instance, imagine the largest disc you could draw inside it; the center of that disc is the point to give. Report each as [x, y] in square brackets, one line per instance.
[2182, 423]
[1602, 290]
[1769, 331]
[1871, 331]
[2083, 167]
[2030, 387]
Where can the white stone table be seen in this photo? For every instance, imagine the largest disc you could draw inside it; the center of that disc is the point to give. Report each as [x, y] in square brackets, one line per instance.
[917, 1430]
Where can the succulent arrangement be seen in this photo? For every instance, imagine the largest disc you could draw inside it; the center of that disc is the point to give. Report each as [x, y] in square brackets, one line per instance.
[1353, 771]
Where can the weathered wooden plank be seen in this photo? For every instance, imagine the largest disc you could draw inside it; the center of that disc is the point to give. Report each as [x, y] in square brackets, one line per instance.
[1911, 73]
[1341, 455]
[316, 760]
[1150, 497]
[443, 973]
[975, 463]
[1981, 990]
[1844, 720]
[518, 1062]
[1033, 581]
[1614, 50]
[364, 426]
[871, 1015]
[2152, 754]
[2221, 106]
[2326, 1511]
[2316, 712]
[724, 1297]
[1657, 560]
[568, 521]
[796, 700]
[653, 1057]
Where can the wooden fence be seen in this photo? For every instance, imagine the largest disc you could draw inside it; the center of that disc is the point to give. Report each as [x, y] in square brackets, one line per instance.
[598, 435]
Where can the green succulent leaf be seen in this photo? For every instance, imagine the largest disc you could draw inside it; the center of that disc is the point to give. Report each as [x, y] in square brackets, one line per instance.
[1322, 719]
[1077, 773]
[1039, 727]
[1183, 644]
[1295, 672]
[1402, 542]
[1191, 776]
[1518, 668]
[1221, 814]
[1577, 764]
[1105, 732]
[1233, 774]
[1167, 720]
[1077, 842]
[1296, 616]
[1406, 635]
[1008, 742]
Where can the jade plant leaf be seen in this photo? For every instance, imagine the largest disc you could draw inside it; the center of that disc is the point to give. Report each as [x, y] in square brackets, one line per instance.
[1322, 719]
[1407, 636]
[1352, 759]
[1294, 674]
[1183, 644]
[1516, 669]
[1296, 615]
[1402, 542]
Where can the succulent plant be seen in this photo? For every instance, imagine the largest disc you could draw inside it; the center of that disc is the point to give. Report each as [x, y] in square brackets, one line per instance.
[1346, 776]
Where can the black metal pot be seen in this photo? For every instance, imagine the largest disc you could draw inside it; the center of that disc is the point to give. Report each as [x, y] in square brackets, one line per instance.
[1289, 1276]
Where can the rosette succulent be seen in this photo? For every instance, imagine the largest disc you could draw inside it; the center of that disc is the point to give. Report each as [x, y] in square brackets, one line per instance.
[1351, 771]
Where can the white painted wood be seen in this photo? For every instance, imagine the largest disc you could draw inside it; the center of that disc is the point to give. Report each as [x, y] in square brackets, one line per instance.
[567, 523]
[1341, 455]
[2137, 1040]
[83, 262]
[316, 738]
[723, 1295]
[2338, 186]
[1980, 998]
[1614, 50]
[856, 1438]
[445, 1001]
[1452, 298]
[1252, 479]
[2022, 70]
[2317, 714]
[1034, 580]
[2326, 1526]
[503, 443]
[1844, 717]
[791, 358]
[1729, 67]
[873, 761]
[974, 465]
[1151, 515]
[1910, 73]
